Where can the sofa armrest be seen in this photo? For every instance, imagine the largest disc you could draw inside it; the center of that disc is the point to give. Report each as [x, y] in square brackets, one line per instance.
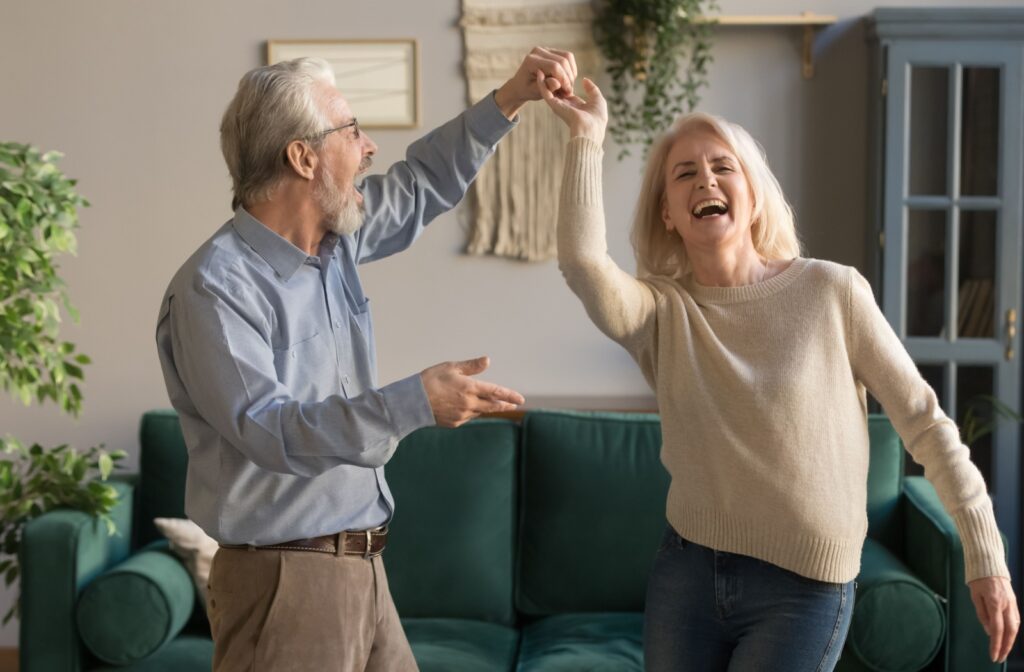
[933, 550]
[61, 551]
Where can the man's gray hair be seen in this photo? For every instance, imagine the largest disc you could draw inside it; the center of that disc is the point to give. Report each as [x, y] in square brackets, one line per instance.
[273, 106]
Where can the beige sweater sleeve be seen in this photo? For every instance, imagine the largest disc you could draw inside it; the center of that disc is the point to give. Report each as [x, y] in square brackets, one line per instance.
[881, 362]
[620, 305]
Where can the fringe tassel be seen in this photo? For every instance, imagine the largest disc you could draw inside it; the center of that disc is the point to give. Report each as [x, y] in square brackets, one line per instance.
[515, 196]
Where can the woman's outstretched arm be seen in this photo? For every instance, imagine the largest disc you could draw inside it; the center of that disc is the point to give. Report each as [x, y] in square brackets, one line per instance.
[619, 304]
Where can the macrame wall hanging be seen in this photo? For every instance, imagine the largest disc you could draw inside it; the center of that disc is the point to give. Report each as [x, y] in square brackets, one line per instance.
[514, 200]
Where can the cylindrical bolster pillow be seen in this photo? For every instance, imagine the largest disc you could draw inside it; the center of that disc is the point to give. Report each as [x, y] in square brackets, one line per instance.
[132, 610]
[898, 622]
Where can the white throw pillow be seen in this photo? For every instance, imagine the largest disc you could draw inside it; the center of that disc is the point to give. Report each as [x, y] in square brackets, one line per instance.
[192, 545]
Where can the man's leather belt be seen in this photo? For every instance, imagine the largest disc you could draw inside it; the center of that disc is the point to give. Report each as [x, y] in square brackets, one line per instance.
[367, 543]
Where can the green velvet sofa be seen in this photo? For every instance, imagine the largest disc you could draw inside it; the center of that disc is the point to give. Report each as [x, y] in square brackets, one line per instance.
[517, 545]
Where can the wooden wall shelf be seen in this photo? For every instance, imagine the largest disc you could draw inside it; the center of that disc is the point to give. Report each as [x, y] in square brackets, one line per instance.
[809, 21]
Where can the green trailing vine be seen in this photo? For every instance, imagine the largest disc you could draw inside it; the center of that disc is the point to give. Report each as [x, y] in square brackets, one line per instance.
[657, 54]
[38, 217]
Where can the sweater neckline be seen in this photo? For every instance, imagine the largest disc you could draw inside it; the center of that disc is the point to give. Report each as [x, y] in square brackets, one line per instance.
[758, 290]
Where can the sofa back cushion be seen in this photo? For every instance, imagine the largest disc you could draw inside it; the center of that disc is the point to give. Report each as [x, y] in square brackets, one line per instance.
[885, 481]
[592, 511]
[163, 464]
[451, 549]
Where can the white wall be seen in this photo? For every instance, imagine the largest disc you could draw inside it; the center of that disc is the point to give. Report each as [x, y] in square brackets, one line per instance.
[132, 93]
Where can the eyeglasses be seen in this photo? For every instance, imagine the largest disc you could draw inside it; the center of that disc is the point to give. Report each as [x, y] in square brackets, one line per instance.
[323, 134]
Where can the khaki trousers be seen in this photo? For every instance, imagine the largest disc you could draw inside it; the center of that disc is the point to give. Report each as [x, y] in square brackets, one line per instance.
[285, 611]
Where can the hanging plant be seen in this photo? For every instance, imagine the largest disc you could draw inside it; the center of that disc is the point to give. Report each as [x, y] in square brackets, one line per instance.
[657, 53]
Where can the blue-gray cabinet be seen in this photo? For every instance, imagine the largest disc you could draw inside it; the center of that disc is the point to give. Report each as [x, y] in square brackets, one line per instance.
[947, 123]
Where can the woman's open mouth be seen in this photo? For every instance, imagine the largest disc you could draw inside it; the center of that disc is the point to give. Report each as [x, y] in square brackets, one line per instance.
[709, 208]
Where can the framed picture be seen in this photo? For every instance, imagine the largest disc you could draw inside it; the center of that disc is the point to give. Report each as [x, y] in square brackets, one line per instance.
[378, 78]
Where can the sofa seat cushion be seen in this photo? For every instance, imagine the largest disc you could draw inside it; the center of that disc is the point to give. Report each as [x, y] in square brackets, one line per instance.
[460, 645]
[133, 609]
[898, 622]
[608, 642]
[184, 654]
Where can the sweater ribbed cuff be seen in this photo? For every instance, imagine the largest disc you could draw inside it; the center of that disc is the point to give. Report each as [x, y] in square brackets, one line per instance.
[581, 179]
[983, 547]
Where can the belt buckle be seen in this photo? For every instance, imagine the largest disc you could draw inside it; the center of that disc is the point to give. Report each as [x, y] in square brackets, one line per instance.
[369, 544]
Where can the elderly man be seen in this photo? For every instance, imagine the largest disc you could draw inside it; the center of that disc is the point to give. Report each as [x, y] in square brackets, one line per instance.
[266, 345]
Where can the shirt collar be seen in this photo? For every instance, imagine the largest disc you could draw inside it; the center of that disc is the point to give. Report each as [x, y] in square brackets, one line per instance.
[280, 254]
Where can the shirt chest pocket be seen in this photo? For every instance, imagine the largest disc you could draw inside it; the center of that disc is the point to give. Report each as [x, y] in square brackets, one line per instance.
[361, 318]
[305, 365]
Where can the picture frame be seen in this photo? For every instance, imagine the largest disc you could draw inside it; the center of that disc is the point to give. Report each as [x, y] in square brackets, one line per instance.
[379, 78]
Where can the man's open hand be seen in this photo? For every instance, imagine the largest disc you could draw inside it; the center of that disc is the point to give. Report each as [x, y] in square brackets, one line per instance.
[456, 398]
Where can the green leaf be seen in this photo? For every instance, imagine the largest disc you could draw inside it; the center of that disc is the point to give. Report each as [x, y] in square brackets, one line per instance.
[106, 466]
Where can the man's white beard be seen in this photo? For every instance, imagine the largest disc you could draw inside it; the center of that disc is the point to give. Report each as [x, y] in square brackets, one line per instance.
[343, 215]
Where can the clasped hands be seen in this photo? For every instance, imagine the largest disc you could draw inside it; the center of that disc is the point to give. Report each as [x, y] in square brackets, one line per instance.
[549, 75]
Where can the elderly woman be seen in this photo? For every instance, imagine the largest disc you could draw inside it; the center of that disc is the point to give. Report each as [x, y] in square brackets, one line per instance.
[760, 359]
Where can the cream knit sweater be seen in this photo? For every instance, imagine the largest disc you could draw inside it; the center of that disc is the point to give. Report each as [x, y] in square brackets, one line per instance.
[761, 390]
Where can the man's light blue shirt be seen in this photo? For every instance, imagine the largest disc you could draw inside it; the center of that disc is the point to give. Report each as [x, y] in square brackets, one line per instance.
[268, 355]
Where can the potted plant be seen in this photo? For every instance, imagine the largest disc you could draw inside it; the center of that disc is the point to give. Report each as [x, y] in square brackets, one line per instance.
[657, 54]
[38, 216]
[980, 416]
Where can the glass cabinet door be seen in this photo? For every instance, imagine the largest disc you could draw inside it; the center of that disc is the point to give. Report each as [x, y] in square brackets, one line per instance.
[952, 224]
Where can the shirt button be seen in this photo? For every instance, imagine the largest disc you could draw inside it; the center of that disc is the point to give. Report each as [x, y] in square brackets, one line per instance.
[344, 379]
[337, 325]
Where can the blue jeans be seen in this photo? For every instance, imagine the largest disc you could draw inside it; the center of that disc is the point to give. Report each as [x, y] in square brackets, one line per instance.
[711, 610]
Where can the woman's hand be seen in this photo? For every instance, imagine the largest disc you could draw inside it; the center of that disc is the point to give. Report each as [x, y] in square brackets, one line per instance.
[585, 118]
[997, 610]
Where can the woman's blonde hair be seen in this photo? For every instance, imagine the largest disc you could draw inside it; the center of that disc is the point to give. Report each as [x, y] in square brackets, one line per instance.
[661, 252]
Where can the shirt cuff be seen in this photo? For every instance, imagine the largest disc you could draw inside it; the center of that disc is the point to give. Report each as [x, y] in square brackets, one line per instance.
[486, 121]
[408, 406]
